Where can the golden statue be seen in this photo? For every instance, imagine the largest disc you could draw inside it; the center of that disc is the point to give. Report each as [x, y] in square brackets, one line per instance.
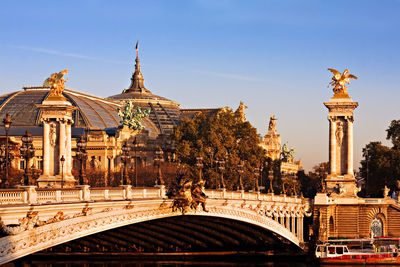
[56, 83]
[339, 81]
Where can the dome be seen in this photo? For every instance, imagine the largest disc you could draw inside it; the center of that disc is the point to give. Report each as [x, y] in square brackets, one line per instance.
[164, 113]
[92, 112]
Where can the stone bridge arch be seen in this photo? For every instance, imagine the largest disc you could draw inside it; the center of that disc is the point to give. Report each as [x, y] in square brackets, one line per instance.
[52, 234]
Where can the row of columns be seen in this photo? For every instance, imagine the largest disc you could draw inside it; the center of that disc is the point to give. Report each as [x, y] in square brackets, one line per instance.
[292, 227]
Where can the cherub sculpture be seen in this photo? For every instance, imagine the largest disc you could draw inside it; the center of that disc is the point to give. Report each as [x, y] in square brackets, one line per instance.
[56, 83]
[339, 80]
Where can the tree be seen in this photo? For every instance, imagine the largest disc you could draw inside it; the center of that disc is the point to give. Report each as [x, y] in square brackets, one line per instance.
[222, 137]
[381, 164]
[393, 133]
[313, 182]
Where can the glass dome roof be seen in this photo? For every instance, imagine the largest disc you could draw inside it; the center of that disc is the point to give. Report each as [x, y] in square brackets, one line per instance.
[92, 112]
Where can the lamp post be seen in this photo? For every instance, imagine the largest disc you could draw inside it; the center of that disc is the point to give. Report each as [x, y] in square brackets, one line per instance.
[240, 171]
[125, 159]
[200, 165]
[82, 157]
[62, 160]
[27, 152]
[135, 144]
[270, 178]
[256, 175]
[221, 167]
[157, 161]
[7, 124]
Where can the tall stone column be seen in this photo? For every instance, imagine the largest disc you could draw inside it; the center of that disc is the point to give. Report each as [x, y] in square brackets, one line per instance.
[68, 161]
[340, 179]
[46, 147]
[62, 147]
[56, 115]
[332, 145]
[350, 145]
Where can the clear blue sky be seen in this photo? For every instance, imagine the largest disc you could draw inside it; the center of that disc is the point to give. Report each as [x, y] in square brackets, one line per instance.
[273, 55]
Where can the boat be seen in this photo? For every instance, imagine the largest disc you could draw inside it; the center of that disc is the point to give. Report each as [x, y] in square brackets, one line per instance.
[377, 250]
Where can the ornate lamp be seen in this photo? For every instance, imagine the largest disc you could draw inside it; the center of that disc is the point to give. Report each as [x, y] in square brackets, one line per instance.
[125, 157]
[200, 165]
[62, 160]
[7, 124]
[240, 171]
[221, 167]
[82, 157]
[135, 147]
[27, 152]
[158, 159]
[256, 175]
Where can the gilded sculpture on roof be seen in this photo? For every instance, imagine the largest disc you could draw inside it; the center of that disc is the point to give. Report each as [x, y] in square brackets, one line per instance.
[132, 116]
[56, 82]
[339, 81]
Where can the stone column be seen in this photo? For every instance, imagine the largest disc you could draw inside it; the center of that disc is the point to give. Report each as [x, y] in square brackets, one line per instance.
[68, 157]
[332, 145]
[349, 145]
[301, 229]
[293, 224]
[62, 144]
[46, 148]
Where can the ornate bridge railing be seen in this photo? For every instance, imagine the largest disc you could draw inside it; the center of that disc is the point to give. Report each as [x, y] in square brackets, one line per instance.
[31, 195]
[35, 219]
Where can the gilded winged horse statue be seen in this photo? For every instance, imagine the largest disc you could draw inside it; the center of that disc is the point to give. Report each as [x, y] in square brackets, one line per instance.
[339, 80]
[56, 83]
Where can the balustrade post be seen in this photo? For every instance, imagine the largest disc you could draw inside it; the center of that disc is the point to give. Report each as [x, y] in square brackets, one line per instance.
[85, 189]
[224, 192]
[163, 193]
[31, 194]
[127, 191]
[106, 197]
[58, 196]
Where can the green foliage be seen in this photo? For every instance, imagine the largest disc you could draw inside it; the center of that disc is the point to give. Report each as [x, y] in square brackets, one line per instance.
[222, 136]
[393, 133]
[380, 167]
[312, 183]
[381, 164]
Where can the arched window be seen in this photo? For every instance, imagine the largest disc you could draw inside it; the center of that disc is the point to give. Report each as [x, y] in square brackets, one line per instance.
[376, 227]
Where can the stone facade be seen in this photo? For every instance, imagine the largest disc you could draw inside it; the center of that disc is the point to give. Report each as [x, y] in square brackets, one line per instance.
[272, 146]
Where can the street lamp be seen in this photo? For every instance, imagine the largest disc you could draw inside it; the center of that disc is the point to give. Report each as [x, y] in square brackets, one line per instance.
[221, 167]
[62, 160]
[125, 159]
[157, 161]
[200, 165]
[7, 124]
[240, 171]
[256, 175]
[135, 145]
[270, 178]
[27, 152]
[81, 154]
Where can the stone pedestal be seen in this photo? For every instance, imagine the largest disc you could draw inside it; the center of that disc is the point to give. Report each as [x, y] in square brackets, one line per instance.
[56, 116]
[341, 178]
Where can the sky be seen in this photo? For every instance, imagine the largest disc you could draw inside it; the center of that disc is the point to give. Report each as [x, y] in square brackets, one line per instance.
[271, 54]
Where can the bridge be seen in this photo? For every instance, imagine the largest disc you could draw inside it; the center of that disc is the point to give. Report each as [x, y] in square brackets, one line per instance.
[34, 219]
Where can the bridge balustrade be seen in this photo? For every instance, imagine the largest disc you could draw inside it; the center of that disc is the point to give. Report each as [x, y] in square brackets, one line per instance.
[12, 196]
[32, 195]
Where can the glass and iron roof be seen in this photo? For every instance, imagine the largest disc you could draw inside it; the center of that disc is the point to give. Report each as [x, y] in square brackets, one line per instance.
[91, 112]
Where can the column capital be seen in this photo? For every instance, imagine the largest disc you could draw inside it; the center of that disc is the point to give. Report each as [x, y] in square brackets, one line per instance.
[349, 118]
[332, 118]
